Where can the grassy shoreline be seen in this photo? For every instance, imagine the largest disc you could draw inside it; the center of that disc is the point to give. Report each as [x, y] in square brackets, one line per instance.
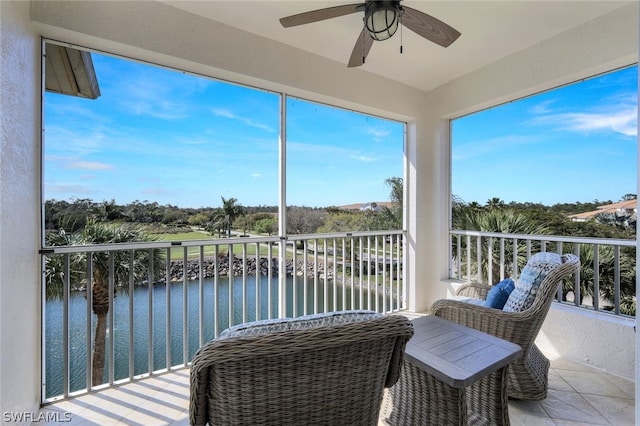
[194, 252]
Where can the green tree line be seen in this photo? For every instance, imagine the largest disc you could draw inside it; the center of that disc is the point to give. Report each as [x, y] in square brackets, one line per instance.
[72, 216]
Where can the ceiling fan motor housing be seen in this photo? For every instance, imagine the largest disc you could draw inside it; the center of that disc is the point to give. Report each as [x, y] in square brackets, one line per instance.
[382, 18]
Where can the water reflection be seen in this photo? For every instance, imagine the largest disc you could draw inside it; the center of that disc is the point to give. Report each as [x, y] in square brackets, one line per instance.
[259, 301]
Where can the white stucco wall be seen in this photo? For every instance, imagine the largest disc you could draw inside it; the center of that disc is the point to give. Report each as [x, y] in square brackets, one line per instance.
[602, 341]
[19, 211]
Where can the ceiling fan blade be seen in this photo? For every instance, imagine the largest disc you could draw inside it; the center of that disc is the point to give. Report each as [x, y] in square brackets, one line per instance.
[429, 27]
[320, 14]
[361, 49]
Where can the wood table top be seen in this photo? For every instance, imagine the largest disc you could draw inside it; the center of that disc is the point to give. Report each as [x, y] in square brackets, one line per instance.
[455, 354]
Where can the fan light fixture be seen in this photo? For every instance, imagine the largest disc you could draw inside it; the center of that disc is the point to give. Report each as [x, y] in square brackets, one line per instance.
[381, 19]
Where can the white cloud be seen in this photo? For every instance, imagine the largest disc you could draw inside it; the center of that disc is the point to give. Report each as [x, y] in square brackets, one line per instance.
[224, 113]
[56, 158]
[542, 107]
[624, 122]
[378, 134]
[494, 146]
[74, 112]
[622, 119]
[147, 95]
[363, 158]
[248, 121]
[157, 108]
[161, 191]
[63, 188]
[90, 165]
[74, 140]
[326, 153]
[194, 141]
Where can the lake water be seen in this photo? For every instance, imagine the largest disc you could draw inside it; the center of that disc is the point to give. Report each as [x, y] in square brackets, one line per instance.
[141, 313]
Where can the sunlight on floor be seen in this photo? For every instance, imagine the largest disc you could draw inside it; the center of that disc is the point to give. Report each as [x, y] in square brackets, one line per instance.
[577, 395]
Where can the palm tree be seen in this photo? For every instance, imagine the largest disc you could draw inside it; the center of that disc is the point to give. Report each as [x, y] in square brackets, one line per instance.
[99, 233]
[587, 273]
[500, 220]
[495, 202]
[55, 270]
[109, 211]
[393, 215]
[232, 211]
[606, 274]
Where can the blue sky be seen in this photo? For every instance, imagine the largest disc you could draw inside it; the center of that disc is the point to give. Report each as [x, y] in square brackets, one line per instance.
[574, 143]
[160, 135]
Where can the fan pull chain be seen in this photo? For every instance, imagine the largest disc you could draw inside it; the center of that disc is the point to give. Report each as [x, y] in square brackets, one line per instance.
[400, 23]
[363, 56]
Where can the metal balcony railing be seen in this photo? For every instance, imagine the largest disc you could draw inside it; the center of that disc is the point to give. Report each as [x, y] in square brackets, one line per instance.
[157, 303]
[605, 281]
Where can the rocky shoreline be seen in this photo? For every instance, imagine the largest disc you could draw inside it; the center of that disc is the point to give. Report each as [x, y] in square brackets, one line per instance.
[263, 267]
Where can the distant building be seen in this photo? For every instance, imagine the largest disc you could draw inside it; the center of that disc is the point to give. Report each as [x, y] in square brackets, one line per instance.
[360, 207]
[623, 208]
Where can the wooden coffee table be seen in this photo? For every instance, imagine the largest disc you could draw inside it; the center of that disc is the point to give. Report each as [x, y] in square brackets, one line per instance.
[452, 375]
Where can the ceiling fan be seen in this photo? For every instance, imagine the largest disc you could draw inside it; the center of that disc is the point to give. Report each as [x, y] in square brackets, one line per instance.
[381, 20]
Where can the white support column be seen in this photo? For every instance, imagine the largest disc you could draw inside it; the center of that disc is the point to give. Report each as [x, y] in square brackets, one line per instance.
[20, 281]
[428, 209]
[282, 211]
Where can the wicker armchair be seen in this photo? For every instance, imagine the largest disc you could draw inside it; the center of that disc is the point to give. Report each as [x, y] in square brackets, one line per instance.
[324, 369]
[528, 376]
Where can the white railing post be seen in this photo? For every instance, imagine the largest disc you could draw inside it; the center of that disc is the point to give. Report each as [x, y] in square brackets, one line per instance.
[579, 244]
[137, 318]
[282, 210]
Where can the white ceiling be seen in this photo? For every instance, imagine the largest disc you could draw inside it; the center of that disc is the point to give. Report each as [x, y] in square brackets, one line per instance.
[490, 30]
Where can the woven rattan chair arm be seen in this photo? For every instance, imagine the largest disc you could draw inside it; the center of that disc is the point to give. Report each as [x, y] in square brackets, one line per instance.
[515, 327]
[474, 290]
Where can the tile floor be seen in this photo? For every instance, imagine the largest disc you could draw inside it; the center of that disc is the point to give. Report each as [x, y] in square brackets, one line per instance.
[578, 395]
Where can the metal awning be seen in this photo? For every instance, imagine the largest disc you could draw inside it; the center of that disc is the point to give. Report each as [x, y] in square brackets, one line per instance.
[70, 72]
